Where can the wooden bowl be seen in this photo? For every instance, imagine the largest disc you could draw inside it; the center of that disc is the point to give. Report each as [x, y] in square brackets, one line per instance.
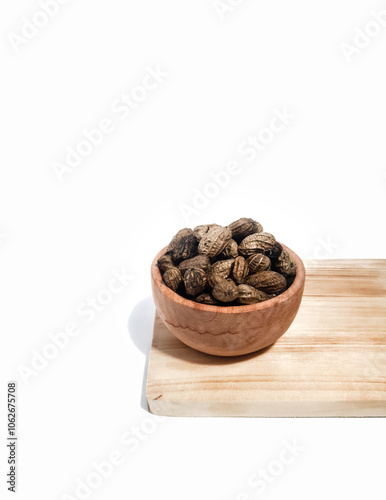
[227, 331]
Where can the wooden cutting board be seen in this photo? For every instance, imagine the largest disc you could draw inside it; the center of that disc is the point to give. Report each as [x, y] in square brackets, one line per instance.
[331, 362]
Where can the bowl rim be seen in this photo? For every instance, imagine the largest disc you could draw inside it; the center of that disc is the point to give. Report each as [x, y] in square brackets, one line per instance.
[175, 297]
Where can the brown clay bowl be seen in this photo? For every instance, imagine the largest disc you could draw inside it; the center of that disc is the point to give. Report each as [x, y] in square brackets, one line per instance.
[227, 331]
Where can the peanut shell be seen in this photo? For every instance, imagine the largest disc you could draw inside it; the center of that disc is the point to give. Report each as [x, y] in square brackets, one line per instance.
[213, 277]
[223, 268]
[275, 251]
[165, 262]
[230, 251]
[258, 262]
[195, 281]
[186, 248]
[268, 282]
[181, 233]
[214, 241]
[198, 262]
[285, 265]
[206, 298]
[240, 270]
[173, 278]
[244, 227]
[250, 295]
[200, 231]
[225, 291]
[255, 243]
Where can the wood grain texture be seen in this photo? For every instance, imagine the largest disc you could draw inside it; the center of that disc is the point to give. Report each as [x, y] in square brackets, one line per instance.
[331, 362]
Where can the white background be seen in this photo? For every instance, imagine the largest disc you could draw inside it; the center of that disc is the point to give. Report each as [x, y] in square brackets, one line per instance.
[319, 186]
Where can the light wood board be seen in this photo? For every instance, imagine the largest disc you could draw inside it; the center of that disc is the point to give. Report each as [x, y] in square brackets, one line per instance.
[331, 362]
